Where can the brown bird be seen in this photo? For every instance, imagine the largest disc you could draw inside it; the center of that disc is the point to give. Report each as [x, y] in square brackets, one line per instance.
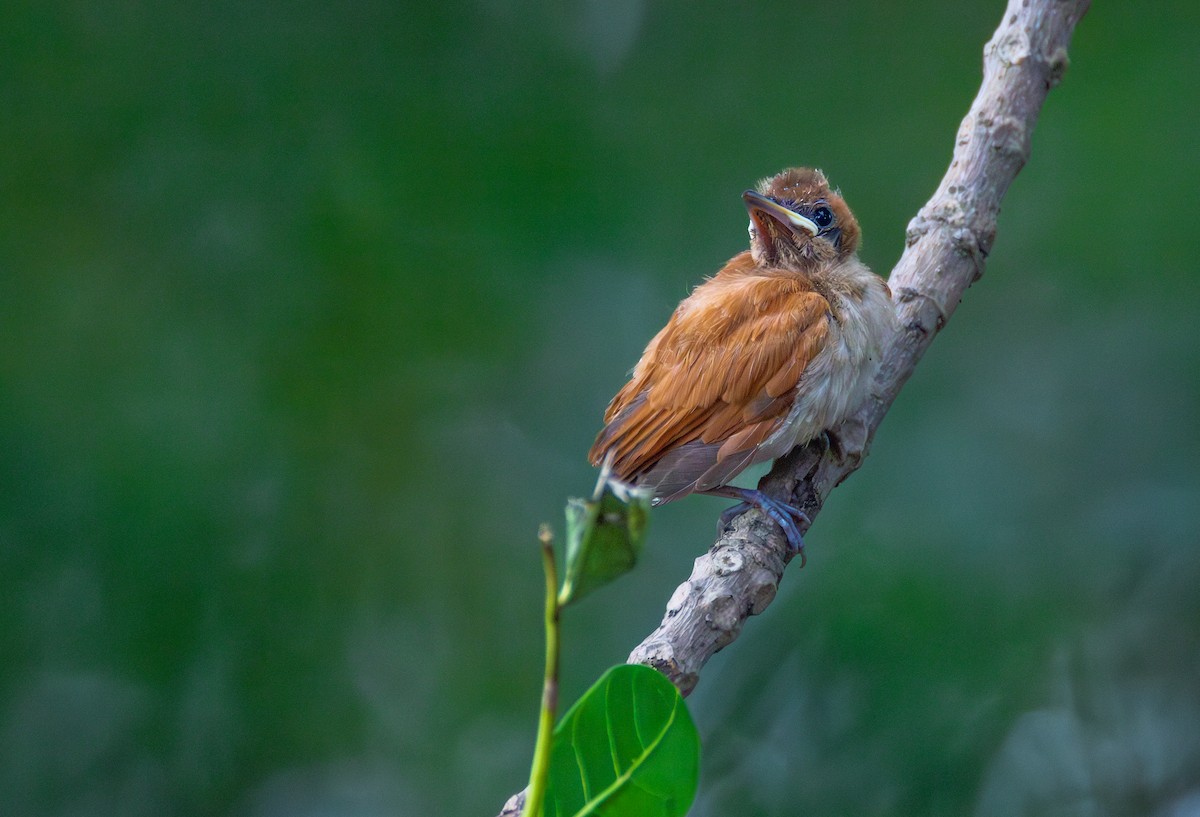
[770, 353]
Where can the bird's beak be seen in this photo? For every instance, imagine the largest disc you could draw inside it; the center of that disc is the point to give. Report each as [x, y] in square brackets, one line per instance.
[760, 206]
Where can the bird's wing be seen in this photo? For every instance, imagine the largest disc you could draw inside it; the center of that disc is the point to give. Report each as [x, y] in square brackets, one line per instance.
[715, 383]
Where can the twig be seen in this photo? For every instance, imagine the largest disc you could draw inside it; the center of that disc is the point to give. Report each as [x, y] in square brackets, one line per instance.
[947, 245]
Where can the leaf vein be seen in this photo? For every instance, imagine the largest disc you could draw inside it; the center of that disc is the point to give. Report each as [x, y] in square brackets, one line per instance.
[590, 804]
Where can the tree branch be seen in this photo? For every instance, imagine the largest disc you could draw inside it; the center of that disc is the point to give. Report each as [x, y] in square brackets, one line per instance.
[947, 245]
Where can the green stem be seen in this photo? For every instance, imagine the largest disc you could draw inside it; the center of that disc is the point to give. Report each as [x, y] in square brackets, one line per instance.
[538, 775]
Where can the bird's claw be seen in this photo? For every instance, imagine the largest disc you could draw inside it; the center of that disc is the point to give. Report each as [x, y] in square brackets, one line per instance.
[788, 519]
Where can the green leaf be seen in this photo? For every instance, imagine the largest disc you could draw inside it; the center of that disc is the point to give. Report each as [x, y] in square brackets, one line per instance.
[627, 748]
[604, 539]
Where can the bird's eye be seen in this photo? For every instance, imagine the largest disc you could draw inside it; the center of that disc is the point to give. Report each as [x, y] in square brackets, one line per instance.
[823, 216]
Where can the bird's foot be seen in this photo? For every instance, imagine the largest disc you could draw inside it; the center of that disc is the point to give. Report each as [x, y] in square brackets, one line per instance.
[731, 513]
[788, 519]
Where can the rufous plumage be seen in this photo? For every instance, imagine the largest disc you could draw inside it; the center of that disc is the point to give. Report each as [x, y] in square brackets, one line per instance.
[775, 349]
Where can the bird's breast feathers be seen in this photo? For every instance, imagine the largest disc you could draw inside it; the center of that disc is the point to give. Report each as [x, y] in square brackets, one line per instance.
[838, 378]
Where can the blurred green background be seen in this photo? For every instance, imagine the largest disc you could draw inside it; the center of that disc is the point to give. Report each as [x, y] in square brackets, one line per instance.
[309, 315]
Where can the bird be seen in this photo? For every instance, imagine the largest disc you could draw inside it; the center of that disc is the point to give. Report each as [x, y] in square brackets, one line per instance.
[772, 352]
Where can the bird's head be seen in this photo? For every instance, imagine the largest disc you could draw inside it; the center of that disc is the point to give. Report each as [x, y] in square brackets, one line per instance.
[797, 222]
